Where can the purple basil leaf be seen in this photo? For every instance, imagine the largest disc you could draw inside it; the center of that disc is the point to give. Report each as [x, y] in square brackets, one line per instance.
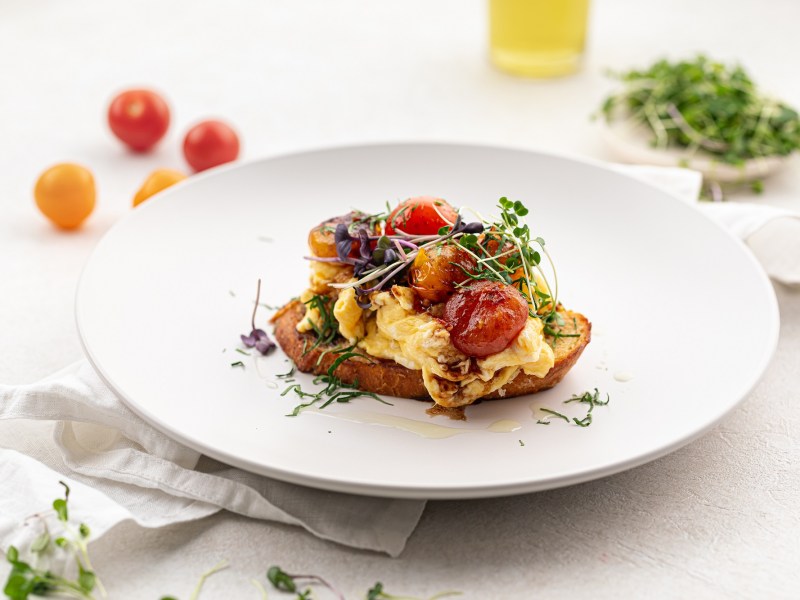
[344, 242]
[476, 227]
[255, 336]
[364, 249]
[389, 256]
[265, 345]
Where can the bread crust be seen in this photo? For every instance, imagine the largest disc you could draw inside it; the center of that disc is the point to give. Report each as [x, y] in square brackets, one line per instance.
[388, 378]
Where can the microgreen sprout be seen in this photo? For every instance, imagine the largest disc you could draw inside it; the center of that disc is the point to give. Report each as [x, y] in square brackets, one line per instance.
[257, 338]
[26, 579]
[285, 582]
[294, 584]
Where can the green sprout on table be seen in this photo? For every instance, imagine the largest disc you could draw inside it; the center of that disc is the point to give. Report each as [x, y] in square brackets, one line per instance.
[26, 580]
[294, 584]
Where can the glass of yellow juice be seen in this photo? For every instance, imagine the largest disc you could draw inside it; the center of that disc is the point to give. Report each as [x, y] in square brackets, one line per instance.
[538, 38]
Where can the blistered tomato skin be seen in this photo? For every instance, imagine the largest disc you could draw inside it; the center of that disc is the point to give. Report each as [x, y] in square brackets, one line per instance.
[436, 272]
[420, 216]
[485, 317]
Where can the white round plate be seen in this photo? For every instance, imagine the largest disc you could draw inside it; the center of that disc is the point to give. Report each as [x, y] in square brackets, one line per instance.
[676, 303]
[630, 142]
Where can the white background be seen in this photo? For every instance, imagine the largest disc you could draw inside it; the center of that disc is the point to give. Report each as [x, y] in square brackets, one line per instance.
[719, 518]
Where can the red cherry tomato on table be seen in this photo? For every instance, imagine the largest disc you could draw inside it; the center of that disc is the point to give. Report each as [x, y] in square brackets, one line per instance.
[210, 143]
[420, 216]
[139, 118]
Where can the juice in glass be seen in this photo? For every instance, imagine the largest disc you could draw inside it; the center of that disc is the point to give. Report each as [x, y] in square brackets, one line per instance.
[537, 38]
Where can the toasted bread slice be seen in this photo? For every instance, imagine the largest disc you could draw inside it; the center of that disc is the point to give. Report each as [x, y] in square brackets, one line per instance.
[391, 379]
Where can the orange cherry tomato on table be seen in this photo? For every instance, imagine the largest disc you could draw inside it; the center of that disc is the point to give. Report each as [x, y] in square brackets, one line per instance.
[65, 194]
[139, 118]
[209, 144]
[158, 180]
[420, 216]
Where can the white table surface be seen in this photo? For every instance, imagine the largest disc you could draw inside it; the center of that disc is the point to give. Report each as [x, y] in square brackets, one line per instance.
[719, 518]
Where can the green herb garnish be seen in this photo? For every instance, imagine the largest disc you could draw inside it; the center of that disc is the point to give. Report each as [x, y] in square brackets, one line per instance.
[588, 398]
[591, 399]
[328, 328]
[702, 105]
[554, 414]
[335, 389]
[238, 363]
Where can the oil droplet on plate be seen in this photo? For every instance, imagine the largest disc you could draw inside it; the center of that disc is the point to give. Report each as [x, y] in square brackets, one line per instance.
[420, 428]
[623, 376]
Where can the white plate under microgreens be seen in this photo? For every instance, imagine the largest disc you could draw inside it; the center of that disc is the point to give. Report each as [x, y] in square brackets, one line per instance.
[166, 294]
[631, 142]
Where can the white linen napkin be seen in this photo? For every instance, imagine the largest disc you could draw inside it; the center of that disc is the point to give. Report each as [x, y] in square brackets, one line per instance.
[139, 473]
[772, 234]
[121, 468]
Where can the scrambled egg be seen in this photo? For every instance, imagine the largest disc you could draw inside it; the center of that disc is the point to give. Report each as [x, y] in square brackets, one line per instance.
[392, 329]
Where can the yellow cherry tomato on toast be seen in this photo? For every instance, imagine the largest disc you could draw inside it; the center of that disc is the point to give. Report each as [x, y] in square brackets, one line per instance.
[65, 194]
[158, 180]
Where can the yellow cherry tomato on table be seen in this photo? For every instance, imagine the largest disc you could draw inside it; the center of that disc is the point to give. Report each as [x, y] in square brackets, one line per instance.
[65, 194]
[158, 180]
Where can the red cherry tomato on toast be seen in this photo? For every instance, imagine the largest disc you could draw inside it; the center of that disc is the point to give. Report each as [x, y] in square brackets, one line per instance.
[210, 143]
[139, 118]
[422, 215]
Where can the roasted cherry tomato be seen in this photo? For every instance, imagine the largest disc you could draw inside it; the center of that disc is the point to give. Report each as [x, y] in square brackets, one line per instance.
[485, 317]
[139, 118]
[437, 271]
[65, 194]
[158, 180]
[423, 215]
[210, 144]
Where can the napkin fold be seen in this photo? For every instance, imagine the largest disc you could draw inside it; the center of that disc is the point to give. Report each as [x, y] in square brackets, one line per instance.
[121, 468]
[138, 473]
[772, 234]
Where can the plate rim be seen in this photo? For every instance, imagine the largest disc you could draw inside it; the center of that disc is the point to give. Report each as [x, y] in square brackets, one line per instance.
[421, 492]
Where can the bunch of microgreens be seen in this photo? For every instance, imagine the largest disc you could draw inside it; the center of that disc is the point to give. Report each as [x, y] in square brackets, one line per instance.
[704, 105]
[502, 248]
[26, 580]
